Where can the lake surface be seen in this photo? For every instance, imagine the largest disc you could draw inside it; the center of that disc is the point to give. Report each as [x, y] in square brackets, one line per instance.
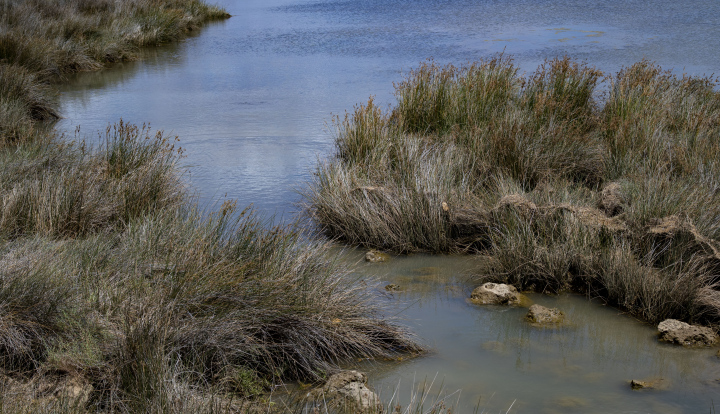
[252, 100]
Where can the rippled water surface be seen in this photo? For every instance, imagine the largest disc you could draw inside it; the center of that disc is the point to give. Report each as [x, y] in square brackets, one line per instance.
[252, 100]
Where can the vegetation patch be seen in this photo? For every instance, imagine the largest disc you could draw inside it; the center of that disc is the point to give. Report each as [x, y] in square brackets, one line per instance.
[116, 293]
[614, 196]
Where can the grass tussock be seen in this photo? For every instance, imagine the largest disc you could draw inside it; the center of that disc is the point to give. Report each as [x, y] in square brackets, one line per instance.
[616, 198]
[64, 190]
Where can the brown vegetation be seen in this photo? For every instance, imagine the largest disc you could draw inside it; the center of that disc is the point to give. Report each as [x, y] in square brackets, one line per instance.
[617, 199]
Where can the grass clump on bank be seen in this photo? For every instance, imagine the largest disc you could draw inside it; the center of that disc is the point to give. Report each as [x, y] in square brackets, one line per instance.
[616, 198]
[118, 295]
[42, 41]
[178, 304]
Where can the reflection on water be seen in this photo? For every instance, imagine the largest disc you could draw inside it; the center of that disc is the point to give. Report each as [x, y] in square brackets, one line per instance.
[495, 357]
[250, 98]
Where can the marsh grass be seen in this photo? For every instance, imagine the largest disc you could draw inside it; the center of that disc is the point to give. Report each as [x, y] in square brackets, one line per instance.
[221, 304]
[43, 41]
[617, 199]
[65, 190]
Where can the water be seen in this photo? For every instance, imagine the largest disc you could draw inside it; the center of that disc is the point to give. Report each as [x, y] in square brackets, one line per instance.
[252, 100]
[498, 360]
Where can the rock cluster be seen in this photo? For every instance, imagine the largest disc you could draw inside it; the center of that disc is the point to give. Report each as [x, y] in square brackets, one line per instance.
[374, 256]
[681, 333]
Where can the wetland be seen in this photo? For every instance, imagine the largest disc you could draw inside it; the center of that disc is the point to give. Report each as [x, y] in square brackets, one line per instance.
[252, 99]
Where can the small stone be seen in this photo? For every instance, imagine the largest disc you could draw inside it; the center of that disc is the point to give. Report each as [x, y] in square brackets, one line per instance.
[351, 387]
[392, 287]
[638, 385]
[651, 384]
[496, 294]
[544, 316]
[681, 333]
[374, 256]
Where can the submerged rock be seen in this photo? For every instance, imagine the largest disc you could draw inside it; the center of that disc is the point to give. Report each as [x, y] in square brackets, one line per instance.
[681, 333]
[348, 390]
[544, 316]
[496, 294]
[392, 287]
[649, 384]
[574, 403]
[375, 256]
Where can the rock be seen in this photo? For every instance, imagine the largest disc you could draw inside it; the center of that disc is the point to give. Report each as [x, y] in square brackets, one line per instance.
[374, 256]
[75, 390]
[544, 316]
[638, 385]
[496, 294]
[348, 390]
[611, 200]
[681, 333]
[652, 384]
[392, 287]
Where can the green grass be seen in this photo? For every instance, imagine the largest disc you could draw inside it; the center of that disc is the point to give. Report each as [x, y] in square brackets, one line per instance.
[615, 198]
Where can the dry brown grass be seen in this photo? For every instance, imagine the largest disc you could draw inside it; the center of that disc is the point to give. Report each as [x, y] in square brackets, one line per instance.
[565, 193]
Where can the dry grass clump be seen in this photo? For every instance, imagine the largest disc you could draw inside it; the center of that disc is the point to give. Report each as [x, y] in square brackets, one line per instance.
[63, 190]
[181, 301]
[24, 99]
[618, 200]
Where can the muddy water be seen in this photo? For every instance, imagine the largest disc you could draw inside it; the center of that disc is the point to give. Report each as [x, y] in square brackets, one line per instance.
[498, 360]
[251, 98]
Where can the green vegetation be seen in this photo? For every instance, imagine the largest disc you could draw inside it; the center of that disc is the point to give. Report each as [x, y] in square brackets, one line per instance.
[617, 199]
[116, 293]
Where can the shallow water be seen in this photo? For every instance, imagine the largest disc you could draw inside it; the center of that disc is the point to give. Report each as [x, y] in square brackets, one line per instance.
[252, 99]
[498, 360]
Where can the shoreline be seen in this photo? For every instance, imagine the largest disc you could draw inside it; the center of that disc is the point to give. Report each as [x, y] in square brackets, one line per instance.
[562, 193]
